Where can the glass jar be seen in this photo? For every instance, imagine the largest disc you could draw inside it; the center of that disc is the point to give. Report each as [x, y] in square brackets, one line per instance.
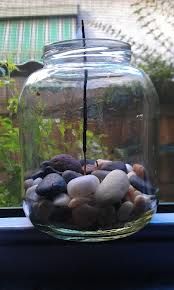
[89, 142]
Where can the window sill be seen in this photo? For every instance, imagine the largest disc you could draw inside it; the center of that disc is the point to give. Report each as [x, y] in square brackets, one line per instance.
[26, 251]
[34, 258]
[20, 228]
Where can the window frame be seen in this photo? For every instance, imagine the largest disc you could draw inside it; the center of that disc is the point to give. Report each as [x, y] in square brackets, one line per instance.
[144, 256]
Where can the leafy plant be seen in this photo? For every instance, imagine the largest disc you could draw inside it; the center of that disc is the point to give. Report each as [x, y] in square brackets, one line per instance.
[9, 143]
[158, 69]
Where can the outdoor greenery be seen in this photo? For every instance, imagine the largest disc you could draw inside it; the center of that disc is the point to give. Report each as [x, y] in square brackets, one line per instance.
[9, 144]
[43, 131]
[158, 70]
[10, 167]
[153, 63]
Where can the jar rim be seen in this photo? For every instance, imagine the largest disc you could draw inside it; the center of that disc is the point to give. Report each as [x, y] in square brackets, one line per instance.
[65, 45]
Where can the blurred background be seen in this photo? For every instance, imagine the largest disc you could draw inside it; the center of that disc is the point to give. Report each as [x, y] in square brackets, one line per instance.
[25, 27]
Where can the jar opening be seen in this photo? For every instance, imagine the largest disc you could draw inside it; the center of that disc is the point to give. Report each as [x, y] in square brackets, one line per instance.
[117, 50]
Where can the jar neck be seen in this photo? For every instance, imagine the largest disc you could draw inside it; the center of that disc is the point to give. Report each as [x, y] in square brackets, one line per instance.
[88, 50]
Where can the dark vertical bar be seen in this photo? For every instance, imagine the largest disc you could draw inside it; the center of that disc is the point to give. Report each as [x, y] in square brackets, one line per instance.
[85, 119]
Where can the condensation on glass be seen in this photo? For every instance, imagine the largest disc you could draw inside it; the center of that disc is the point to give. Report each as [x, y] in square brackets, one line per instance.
[112, 192]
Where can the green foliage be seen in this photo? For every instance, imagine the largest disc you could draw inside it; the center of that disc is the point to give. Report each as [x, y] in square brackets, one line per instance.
[158, 69]
[9, 141]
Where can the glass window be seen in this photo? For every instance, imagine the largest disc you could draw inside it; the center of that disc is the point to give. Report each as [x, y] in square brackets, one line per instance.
[25, 27]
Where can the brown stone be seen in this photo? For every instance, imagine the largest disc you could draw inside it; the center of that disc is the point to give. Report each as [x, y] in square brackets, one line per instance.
[139, 170]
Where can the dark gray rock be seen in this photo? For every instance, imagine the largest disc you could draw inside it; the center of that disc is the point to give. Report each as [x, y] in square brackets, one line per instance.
[125, 211]
[114, 165]
[101, 174]
[37, 174]
[141, 185]
[51, 185]
[41, 211]
[48, 169]
[69, 175]
[84, 216]
[60, 214]
[64, 162]
[41, 173]
[106, 217]
[88, 161]
[45, 164]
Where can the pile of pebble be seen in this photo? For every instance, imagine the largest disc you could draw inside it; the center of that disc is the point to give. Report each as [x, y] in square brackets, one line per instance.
[109, 195]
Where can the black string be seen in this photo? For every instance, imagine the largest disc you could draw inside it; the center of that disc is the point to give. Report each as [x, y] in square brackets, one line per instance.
[85, 118]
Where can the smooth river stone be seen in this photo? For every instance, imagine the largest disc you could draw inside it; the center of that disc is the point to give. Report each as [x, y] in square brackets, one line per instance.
[41, 173]
[31, 193]
[83, 186]
[132, 193]
[68, 175]
[101, 174]
[141, 185]
[37, 181]
[60, 214]
[88, 161]
[28, 183]
[129, 167]
[78, 201]
[84, 216]
[113, 188]
[139, 170]
[125, 211]
[89, 168]
[42, 211]
[101, 162]
[131, 173]
[51, 185]
[61, 200]
[48, 169]
[114, 165]
[106, 217]
[37, 174]
[64, 162]
[140, 204]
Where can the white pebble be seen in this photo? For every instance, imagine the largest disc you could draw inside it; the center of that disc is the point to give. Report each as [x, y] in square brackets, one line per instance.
[83, 186]
[113, 188]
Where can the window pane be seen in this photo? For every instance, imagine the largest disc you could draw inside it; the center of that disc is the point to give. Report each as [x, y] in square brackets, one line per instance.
[147, 25]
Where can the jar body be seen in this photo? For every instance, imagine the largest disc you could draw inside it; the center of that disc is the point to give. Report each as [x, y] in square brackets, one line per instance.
[114, 194]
